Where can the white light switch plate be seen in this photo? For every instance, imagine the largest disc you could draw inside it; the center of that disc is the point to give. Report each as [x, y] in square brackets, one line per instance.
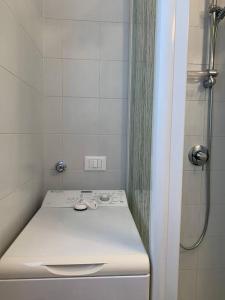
[95, 163]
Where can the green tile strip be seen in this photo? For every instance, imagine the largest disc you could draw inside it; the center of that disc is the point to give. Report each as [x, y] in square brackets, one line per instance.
[141, 102]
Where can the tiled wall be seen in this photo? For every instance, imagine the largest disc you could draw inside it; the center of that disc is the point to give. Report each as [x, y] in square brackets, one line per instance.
[20, 114]
[202, 271]
[85, 110]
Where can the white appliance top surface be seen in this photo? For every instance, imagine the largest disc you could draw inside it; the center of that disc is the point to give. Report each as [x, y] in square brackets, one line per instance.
[61, 198]
[60, 242]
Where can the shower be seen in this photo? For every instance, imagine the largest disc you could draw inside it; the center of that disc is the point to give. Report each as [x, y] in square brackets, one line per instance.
[220, 12]
[200, 155]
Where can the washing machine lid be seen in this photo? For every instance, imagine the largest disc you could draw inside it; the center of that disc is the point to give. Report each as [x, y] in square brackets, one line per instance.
[61, 242]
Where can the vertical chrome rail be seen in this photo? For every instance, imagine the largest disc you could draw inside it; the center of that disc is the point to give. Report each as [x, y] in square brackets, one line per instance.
[208, 83]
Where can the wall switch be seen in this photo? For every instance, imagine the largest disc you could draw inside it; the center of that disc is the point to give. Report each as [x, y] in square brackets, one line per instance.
[95, 163]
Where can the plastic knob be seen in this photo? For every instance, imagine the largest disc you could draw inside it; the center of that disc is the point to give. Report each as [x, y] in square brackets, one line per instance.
[105, 197]
[80, 206]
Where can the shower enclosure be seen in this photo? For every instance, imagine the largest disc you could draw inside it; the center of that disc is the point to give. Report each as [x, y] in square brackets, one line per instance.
[202, 267]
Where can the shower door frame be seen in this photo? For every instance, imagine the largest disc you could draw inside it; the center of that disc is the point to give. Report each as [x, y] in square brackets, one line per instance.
[172, 27]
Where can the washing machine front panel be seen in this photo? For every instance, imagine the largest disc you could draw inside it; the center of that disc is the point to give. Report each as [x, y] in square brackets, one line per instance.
[101, 288]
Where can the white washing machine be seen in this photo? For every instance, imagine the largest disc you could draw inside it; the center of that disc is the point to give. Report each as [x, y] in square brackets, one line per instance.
[80, 245]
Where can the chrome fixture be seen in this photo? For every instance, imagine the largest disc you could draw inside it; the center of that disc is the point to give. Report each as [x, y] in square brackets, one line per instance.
[202, 74]
[219, 12]
[60, 166]
[198, 155]
[210, 79]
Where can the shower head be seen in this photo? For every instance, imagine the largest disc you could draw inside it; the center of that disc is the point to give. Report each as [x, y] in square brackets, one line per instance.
[218, 11]
[220, 14]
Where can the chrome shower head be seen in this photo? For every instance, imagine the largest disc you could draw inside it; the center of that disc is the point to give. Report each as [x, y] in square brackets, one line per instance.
[220, 14]
[218, 11]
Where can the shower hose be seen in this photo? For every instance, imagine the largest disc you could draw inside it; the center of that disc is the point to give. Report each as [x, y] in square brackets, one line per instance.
[209, 84]
[208, 179]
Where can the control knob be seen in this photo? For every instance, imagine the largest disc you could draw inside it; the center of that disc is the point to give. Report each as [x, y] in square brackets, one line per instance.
[104, 197]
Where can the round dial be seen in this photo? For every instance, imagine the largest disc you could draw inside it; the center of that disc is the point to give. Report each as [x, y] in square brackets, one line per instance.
[105, 197]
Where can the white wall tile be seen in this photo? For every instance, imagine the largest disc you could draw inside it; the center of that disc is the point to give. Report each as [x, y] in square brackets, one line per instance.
[99, 10]
[221, 2]
[218, 159]
[187, 288]
[197, 48]
[188, 260]
[219, 118]
[53, 150]
[8, 179]
[80, 40]
[52, 180]
[220, 60]
[53, 115]
[217, 187]
[198, 15]
[195, 88]
[53, 77]
[114, 148]
[80, 115]
[114, 10]
[113, 79]
[28, 14]
[25, 153]
[192, 184]
[73, 9]
[195, 91]
[94, 180]
[191, 223]
[19, 105]
[216, 221]
[114, 41]
[80, 78]
[20, 115]
[219, 91]
[211, 253]
[24, 202]
[211, 284]
[76, 147]
[112, 116]
[18, 53]
[195, 115]
[94, 88]
[52, 39]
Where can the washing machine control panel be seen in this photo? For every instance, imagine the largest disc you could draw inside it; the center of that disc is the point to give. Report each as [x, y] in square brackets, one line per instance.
[91, 198]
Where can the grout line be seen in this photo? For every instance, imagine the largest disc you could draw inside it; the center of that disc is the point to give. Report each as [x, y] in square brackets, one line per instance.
[85, 20]
[86, 135]
[80, 134]
[86, 59]
[21, 133]
[76, 98]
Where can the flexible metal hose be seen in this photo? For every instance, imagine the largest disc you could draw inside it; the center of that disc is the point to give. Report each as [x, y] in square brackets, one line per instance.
[213, 37]
[208, 179]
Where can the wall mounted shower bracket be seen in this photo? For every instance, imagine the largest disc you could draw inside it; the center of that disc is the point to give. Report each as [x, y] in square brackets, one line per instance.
[210, 80]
